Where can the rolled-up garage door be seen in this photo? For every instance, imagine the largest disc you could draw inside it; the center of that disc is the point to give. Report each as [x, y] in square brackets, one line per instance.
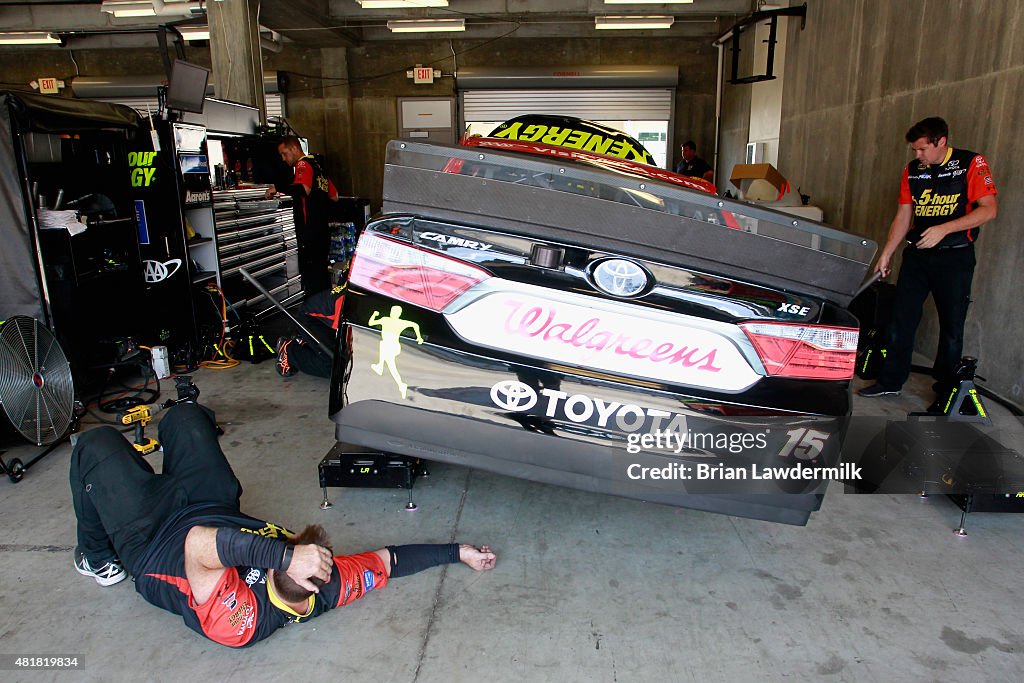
[644, 113]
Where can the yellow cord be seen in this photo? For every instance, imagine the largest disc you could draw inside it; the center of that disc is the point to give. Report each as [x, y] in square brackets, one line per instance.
[225, 364]
[222, 349]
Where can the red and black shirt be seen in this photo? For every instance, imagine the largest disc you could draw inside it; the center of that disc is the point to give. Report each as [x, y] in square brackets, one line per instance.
[311, 208]
[946, 191]
[326, 305]
[244, 608]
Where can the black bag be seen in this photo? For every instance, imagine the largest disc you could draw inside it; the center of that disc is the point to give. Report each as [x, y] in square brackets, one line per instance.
[870, 354]
[874, 309]
[251, 343]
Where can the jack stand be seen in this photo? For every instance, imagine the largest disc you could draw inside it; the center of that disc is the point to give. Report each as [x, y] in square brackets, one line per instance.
[411, 506]
[326, 504]
[965, 390]
[962, 529]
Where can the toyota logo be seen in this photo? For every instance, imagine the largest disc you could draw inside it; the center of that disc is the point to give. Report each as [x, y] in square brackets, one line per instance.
[513, 395]
[619, 277]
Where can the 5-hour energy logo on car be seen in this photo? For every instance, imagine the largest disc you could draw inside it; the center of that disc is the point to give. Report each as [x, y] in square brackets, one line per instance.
[574, 139]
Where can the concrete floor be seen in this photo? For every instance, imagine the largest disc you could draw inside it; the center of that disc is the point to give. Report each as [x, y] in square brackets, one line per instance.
[587, 587]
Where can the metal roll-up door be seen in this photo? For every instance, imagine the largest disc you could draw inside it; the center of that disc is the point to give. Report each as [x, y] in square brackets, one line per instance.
[644, 113]
[138, 92]
[635, 98]
[594, 105]
[275, 103]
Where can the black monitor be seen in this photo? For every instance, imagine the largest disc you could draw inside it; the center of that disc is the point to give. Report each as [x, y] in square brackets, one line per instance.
[187, 89]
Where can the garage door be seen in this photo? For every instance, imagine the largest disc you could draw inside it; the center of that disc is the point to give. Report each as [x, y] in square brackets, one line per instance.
[275, 103]
[644, 113]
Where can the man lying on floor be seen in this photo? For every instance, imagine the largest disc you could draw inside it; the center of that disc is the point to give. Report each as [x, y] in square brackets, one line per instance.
[233, 578]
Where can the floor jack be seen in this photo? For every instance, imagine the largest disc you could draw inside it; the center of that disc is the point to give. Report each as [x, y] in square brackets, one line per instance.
[964, 405]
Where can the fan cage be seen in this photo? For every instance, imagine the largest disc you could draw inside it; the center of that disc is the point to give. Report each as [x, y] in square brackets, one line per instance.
[36, 388]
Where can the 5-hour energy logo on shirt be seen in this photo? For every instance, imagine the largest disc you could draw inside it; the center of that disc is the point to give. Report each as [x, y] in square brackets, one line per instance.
[931, 204]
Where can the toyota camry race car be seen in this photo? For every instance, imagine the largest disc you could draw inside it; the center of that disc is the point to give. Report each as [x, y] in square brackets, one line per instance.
[531, 304]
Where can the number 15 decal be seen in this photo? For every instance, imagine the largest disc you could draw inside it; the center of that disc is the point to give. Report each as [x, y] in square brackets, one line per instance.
[804, 444]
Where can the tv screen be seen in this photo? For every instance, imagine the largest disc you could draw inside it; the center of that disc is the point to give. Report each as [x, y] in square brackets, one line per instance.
[187, 89]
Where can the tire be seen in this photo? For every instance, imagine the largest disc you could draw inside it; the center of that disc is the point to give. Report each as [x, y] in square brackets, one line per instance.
[16, 470]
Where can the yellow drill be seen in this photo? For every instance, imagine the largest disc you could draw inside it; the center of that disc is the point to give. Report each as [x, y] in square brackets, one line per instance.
[140, 417]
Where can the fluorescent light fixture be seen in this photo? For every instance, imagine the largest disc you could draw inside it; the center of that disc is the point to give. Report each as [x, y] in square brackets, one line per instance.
[135, 9]
[28, 38]
[425, 25]
[191, 33]
[400, 4]
[625, 23]
[152, 8]
[648, 2]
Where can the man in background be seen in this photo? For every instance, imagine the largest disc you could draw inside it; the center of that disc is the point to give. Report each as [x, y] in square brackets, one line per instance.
[312, 191]
[692, 165]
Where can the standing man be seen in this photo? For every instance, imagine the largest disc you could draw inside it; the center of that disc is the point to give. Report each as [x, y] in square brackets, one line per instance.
[311, 190]
[692, 165]
[232, 578]
[945, 196]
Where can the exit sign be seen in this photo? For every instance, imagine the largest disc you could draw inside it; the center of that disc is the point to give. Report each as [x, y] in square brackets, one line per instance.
[423, 74]
[48, 86]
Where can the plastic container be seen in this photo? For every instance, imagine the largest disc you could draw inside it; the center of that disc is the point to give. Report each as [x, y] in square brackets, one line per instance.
[161, 363]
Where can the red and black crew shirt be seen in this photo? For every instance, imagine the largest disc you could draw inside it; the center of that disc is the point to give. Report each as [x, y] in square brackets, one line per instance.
[244, 608]
[946, 191]
[321, 190]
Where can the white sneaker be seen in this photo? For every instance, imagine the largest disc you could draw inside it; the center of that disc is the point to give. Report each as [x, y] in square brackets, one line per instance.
[107, 574]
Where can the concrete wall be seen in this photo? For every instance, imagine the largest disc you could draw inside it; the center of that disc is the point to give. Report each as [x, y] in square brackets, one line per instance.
[734, 126]
[858, 77]
[20, 65]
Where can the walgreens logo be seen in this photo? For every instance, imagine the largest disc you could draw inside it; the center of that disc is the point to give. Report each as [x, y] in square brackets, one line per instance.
[626, 343]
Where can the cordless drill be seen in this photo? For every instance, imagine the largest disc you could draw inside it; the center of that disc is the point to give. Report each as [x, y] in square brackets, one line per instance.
[139, 416]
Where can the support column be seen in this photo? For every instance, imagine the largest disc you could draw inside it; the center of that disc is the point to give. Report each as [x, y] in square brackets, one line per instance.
[337, 104]
[235, 52]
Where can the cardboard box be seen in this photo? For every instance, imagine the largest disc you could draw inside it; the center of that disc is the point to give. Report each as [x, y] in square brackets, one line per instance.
[761, 182]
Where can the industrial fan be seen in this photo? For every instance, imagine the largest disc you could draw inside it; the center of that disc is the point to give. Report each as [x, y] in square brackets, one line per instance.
[36, 389]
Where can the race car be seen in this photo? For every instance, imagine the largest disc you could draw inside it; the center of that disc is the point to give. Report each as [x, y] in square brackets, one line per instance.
[587, 320]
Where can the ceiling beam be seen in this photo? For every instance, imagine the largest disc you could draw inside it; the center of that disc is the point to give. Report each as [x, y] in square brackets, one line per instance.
[307, 22]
